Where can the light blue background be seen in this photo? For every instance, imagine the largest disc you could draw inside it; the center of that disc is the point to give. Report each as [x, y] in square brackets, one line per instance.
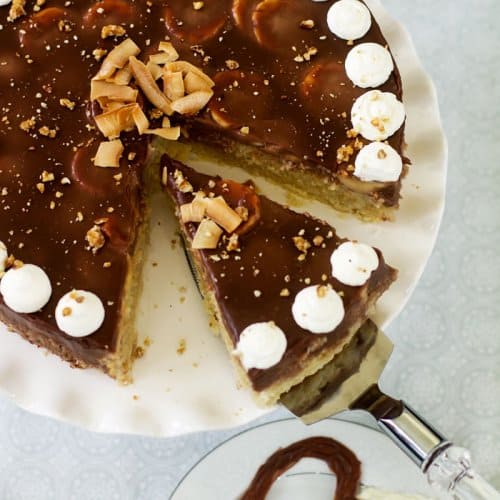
[447, 359]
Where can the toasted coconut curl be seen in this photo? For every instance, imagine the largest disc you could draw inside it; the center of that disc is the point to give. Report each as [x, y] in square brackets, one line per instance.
[122, 76]
[221, 213]
[171, 133]
[112, 91]
[148, 85]
[207, 235]
[186, 67]
[113, 123]
[117, 59]
[186, 90]
[140, 119]
[169, 49]
[161, 58]
[109, 154]
[193, 82]
[173, 85]
[193, 212]
[155, 69]
[192, 103]
[107, 105]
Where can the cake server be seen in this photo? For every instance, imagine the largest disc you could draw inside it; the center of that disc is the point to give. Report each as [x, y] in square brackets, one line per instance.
[350, 382]
[447, 466]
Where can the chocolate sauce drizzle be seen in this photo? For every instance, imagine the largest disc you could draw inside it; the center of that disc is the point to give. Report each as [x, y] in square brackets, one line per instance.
[340, 459]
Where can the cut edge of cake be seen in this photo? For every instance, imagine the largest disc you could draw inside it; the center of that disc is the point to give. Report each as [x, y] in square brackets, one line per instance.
[348, 195]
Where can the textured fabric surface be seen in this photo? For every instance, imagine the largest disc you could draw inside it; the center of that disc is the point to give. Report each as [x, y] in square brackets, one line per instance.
[447, 357]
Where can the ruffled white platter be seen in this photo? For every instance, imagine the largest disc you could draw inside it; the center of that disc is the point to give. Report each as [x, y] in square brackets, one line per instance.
[383, 465]
[175, 394]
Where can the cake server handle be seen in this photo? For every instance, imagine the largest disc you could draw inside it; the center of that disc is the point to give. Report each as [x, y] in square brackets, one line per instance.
[447, 467]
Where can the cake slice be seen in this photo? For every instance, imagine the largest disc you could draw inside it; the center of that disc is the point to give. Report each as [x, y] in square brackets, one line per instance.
[286, 292]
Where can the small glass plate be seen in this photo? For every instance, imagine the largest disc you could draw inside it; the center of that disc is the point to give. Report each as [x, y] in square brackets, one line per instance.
[227, 470]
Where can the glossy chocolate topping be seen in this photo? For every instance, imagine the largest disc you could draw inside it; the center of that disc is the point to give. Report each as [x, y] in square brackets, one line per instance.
[259, 281]
[52, 192]
[340, 459]
[47, 59]
[301, 109]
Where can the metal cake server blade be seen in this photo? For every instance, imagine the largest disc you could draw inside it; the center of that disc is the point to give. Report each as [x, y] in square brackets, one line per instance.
[367, 375]
[448, 467]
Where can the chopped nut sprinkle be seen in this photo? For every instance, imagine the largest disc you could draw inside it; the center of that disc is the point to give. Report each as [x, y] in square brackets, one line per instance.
[381, 154]
[64, 26]
[318, 240]
[95, 238]
[47, 132]
[112, 30]
[77, 298]
[301, 244]
[233, 243]
[183, 184]
[232, 64]
[242, 212]
[66, 103]
[311, 51]
[16, 263]
[16, 10]
[379, 124]
[344, 153]
[47, 176]
[182, 347]
[28, 124]
[99, 54]
[307, 24]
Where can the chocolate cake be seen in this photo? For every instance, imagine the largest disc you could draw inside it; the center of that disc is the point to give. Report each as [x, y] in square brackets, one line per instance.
[287, 292]
[303, 92]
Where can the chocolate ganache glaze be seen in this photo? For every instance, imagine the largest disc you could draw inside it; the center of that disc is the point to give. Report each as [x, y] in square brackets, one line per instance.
[52, 194]
[340, 459]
